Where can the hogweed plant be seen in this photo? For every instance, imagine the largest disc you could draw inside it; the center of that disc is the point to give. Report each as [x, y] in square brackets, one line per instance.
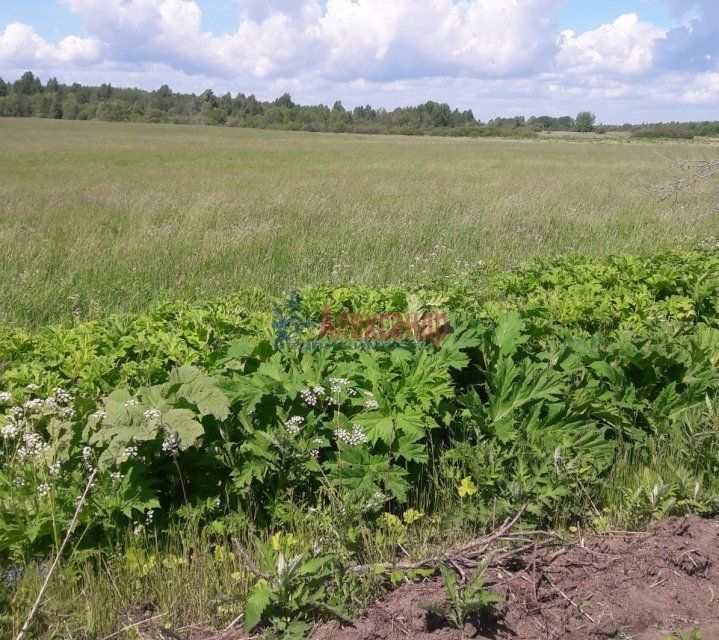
[291, 590]
[464, 603]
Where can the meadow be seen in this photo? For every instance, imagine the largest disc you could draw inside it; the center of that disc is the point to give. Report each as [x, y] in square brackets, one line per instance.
[179, 431]
[105, 217]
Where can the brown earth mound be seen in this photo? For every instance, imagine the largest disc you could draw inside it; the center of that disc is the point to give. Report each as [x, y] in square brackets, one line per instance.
[639, 586]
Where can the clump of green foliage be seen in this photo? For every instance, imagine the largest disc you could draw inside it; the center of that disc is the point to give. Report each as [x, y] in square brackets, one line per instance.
[465, 602]
[696, 634]
[584, 388]
[292, 593]
[671, 130]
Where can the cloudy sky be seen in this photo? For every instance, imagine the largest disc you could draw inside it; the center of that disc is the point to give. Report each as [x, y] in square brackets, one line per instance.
[627, 60]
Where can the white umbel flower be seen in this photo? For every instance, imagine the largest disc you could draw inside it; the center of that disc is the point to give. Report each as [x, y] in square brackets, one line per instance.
[351, 438]
[152, 414]
[171, 443]
[293, 424]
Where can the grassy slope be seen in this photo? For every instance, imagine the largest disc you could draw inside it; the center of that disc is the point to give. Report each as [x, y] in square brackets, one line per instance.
[99, 217]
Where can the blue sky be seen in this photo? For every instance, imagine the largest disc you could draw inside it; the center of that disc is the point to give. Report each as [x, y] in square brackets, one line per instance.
[51, 19]
[624, 59]
[583, 16]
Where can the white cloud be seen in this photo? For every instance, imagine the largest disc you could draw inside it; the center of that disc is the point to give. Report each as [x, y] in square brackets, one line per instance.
[347, 39]
[170, 32]
[704, 89]
[625, 46]
[20, 44]
[414, 38]
[694, 44]
[496, 56]
[279, 45]
[142, 30]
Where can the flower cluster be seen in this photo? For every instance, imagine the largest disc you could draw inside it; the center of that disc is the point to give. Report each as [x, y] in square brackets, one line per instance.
[131, 451]
[338, 385]
[351, 438]
[10, 430]
[43, 490]
[293, 424]
[312, 396]
[32, 445]
[5, 397]
[88, 456]
[58, 403]
[152, 414]
[99, 415]
[317, 442]
[370, 403]
[130, 403]
[378, 498]
[171, 443]
[62, 396]
[36, 404]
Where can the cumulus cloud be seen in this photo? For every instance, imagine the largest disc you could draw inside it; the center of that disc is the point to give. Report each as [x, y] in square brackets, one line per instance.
[704, 89]
[694, 45]
[143, 30]
[370, 39]
[625, 46]
[412, 38]
[278, 43]
[20, 44]
[498, 55]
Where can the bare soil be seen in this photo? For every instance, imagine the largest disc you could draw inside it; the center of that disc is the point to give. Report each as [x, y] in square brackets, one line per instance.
[640, 586]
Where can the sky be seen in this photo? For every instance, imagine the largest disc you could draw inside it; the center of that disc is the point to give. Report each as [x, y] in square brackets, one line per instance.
[625, 60]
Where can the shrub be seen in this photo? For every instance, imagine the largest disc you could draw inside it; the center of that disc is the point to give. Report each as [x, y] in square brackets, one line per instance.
[675, 131]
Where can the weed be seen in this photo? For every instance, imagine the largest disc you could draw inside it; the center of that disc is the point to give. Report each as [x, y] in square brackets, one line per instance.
[471, 601]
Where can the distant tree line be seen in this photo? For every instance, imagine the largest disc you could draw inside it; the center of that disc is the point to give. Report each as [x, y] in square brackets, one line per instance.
[28, 97]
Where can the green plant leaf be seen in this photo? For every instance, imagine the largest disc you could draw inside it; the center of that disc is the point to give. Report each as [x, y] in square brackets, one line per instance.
[256, 603]
[183, 423]
[201, 390]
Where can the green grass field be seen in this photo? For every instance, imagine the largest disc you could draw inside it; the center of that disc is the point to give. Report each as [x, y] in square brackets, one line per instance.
[98, 217]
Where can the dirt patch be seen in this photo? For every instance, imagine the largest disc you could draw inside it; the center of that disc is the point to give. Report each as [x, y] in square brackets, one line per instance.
[638, 586]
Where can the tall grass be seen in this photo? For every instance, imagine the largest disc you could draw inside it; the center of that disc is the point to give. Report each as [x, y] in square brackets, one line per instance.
[98, 217]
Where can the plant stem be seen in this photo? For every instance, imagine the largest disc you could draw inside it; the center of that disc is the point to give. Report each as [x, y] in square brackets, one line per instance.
[70, 529]
[182, 482]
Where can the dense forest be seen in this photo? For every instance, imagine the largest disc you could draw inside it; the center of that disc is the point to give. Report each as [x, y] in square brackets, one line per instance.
[28, 97]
